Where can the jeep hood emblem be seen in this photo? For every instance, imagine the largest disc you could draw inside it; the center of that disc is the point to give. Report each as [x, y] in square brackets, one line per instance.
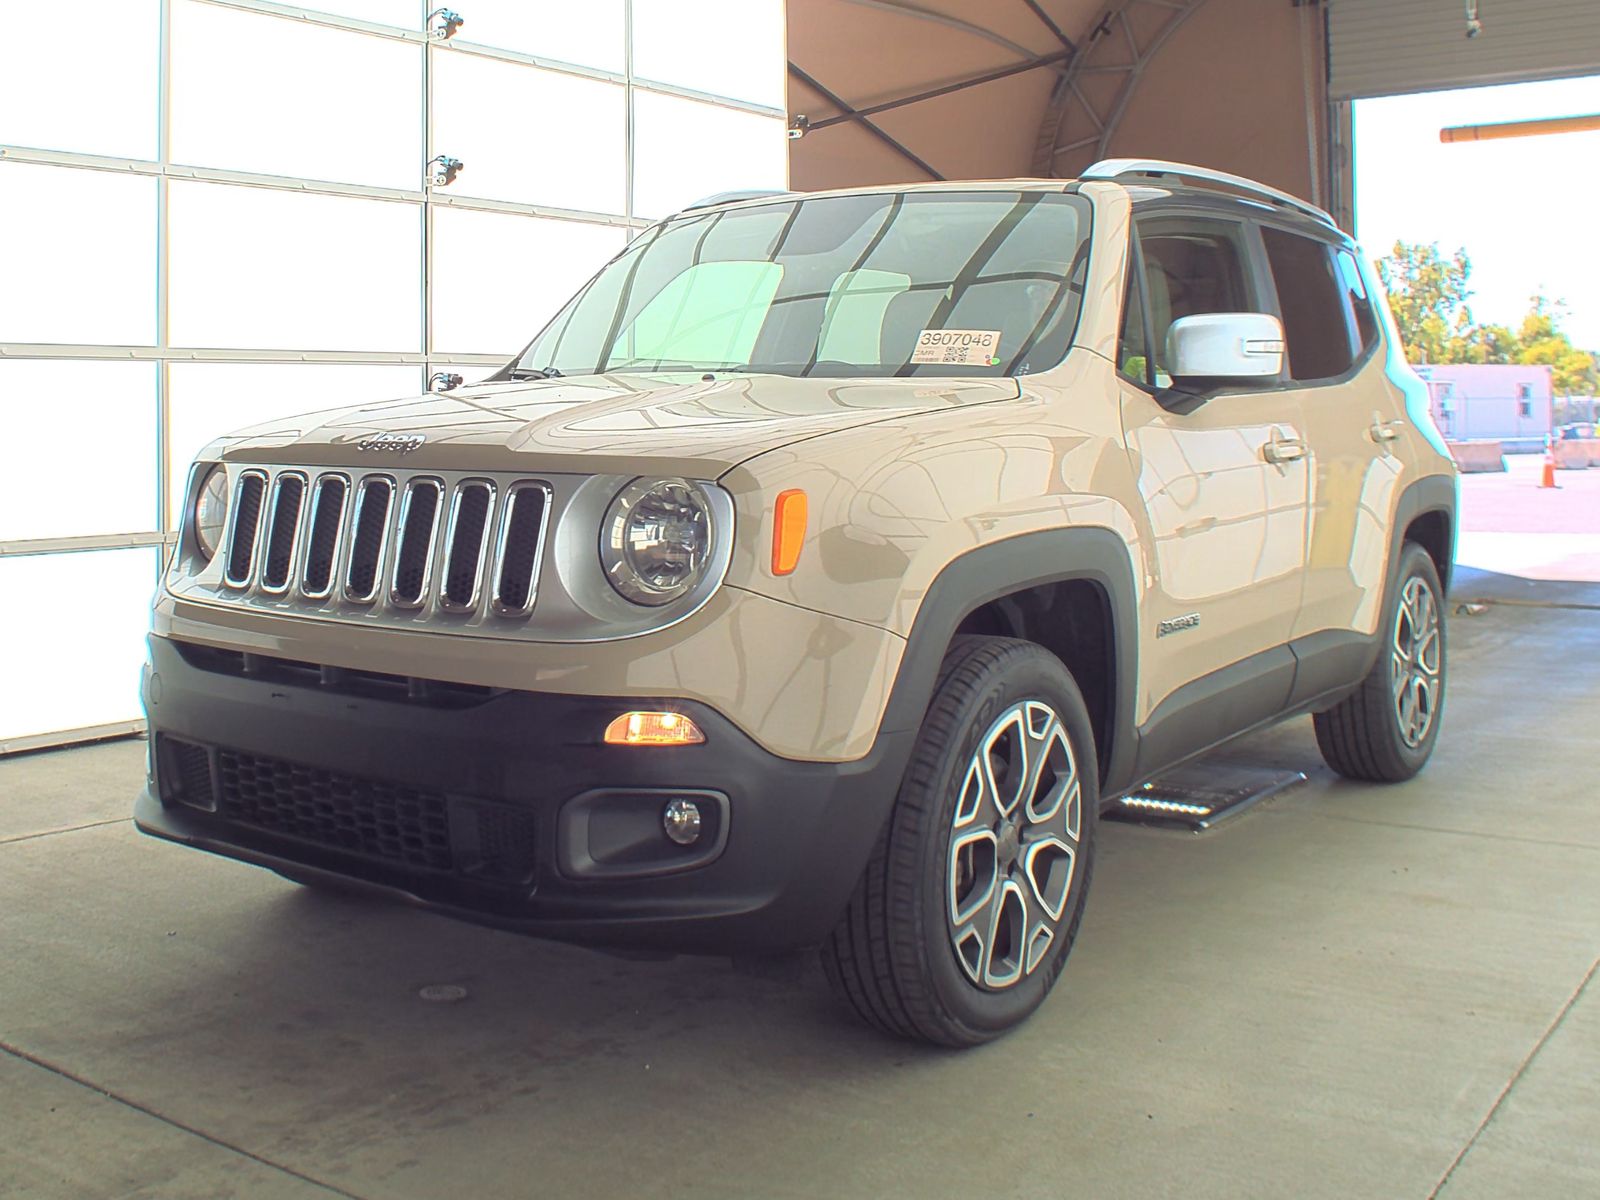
[395, 443]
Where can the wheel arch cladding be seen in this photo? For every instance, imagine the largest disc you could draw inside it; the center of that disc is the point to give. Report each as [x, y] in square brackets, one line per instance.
[1071, 591]
[1426, 514]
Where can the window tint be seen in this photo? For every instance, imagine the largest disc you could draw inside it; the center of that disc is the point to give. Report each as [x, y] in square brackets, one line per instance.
[1358, 302]
[1316, 318]
[1190, 267]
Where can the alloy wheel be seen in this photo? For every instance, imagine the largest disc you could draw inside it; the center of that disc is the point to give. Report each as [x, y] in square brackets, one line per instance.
[1013, 846]
[1415, 661]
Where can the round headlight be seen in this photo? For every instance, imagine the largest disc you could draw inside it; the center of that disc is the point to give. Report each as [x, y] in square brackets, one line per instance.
[656, 540]
[211, 512]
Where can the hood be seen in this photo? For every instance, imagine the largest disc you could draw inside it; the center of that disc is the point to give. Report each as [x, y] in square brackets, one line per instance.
[678, 424]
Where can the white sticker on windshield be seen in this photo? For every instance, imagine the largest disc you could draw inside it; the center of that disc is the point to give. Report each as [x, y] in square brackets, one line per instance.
[964, 347]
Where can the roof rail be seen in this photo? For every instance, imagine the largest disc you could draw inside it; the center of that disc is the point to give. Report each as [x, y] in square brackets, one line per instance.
[1154, 168]
[734, 198]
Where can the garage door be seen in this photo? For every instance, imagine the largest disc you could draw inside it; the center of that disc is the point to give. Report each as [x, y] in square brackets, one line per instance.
[1384, 47]
[217, 213]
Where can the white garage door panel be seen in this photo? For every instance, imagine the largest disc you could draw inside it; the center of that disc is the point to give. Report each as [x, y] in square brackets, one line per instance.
[536, 137]
[340, 115]
[72, 659]
[78, 261]
[75, 421]
[1384, 47]
[263, 268]
[80, 75]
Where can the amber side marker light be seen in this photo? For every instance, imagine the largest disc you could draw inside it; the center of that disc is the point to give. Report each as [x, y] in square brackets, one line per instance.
[788, 530]
[653, 729]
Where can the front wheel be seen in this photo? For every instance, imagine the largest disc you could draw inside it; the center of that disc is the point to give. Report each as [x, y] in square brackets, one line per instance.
[1386, 731]
[972, 898]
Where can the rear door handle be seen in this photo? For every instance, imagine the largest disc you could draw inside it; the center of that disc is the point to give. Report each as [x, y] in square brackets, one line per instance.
[1384, 431]
[1283, 450]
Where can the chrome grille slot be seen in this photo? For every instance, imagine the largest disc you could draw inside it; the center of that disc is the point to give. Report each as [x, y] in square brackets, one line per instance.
[466, 541]
[283, 531]
[323, 535]
[369, 537]
[418, 532]
[520, 548]
[244, 528]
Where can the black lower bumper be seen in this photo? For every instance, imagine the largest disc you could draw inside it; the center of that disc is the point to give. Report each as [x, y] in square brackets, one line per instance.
[506, 808]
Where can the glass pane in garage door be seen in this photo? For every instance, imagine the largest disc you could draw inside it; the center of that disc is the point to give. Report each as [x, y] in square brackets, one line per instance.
[208, 400]
[497, 278]
[252, 267]
[78, 449]
[79, 256]
[538, 137]
[684, 150]
[588, 32]
[252, 92]
[81, 76]
[725, 47]
[72, 658]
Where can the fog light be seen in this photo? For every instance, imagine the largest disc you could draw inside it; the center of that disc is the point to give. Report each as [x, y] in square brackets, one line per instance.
[653, 729]
[681, 820]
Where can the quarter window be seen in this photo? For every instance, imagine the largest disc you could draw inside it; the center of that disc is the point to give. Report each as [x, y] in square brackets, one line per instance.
[1318, 319]
[1357, 302]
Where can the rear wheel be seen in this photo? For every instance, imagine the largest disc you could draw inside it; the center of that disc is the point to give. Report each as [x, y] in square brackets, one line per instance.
[1386, 731]
[972, 898]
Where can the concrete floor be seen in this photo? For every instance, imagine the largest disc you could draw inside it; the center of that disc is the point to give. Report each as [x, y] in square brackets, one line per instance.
[1353, 991]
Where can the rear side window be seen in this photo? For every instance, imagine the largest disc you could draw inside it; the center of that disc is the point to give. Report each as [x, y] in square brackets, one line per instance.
[1314, 299]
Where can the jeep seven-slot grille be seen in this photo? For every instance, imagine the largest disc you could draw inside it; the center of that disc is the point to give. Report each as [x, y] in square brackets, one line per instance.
[415, 544]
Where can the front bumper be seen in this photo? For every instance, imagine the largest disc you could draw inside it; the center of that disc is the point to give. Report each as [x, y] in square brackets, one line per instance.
[483, 805]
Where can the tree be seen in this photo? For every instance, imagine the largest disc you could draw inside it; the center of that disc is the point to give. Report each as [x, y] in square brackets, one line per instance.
[1428, 294]
[1572, 371]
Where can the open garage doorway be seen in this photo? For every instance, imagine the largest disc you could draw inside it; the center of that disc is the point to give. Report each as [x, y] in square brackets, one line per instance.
[1487, 246]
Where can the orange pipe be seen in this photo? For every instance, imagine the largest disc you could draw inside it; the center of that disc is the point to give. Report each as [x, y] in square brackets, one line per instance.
[1517, 129]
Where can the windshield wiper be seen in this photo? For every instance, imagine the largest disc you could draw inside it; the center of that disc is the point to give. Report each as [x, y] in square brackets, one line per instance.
[534, 373]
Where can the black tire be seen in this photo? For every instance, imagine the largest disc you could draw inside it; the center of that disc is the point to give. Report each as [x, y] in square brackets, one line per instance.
[893, 956]
[1363, 737]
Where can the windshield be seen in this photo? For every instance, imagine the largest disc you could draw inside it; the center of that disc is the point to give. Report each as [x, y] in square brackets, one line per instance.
[922, 283]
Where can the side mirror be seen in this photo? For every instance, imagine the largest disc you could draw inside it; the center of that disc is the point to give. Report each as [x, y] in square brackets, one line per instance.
[1225, 346]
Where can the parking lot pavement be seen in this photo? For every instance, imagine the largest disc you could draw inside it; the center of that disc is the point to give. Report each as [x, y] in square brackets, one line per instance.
[1352, 991]
[1511, 524]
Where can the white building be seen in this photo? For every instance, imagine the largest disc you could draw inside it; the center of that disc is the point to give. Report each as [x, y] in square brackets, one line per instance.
[1474, 402]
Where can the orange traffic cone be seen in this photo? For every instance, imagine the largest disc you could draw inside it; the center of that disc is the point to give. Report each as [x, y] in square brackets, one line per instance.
[1548, 478]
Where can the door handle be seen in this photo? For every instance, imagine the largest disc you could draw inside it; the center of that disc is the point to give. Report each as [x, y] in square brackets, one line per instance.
[1283, 450]
[1384, 431]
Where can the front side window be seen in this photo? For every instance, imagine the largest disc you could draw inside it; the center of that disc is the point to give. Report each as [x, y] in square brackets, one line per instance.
[835, 286]
[1191, 267]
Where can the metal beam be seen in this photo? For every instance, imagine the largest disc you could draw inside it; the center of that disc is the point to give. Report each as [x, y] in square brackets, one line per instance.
[851, 114]
[902, 9]
[871, 110]
[1051, 25]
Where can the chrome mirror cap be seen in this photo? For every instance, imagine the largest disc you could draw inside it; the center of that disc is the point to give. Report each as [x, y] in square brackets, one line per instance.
[1225, 346]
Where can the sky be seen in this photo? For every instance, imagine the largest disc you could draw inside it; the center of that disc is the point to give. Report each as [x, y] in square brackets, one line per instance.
[1527, 210]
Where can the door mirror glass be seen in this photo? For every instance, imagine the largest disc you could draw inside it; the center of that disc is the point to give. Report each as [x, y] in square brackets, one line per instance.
[1225, 346]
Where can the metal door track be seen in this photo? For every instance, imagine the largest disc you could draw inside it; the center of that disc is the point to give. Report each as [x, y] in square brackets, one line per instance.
[1201, 796]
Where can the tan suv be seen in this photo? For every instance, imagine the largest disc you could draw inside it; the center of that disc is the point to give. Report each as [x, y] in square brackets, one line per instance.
[817, 574]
